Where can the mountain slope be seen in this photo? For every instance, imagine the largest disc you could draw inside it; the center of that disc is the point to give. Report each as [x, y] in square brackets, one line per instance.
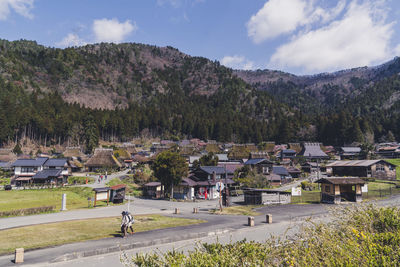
[322, 92]
[128, 90]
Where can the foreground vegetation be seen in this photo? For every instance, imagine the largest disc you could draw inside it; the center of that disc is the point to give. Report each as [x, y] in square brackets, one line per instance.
[45, 235]
[359, 236]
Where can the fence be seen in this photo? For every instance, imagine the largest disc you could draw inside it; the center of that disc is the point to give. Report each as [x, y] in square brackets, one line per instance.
[378, 193]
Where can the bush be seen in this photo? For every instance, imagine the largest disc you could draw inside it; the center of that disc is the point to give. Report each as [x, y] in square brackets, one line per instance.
[362, 236]
[80, 180]
[30, 211]
[308, 186]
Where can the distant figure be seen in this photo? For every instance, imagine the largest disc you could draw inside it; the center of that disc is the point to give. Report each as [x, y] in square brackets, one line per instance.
[205, 194]
[127, 221]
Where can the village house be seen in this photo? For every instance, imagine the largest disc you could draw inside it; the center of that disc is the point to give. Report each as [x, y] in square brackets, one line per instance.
[287, 154]
[379, 169]
[349, 153]
[389, 151]
[313, 152]
[103, 159]
[261, 166]
[334, 189]
[153, 190]
[278, 176]
[25, 169]
[185, 190]
[41, 170]
[206, 178]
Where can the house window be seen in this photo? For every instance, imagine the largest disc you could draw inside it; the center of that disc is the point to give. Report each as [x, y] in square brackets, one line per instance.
[327, 189]
[380, 168]
[265, 170]
[27, 169]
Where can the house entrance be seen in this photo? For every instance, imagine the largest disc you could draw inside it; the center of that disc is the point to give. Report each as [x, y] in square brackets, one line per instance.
[348, 192]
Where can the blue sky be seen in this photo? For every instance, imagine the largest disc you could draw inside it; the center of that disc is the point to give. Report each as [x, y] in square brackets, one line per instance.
[297, 36]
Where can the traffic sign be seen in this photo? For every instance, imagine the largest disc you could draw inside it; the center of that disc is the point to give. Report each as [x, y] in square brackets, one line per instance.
[220, 186]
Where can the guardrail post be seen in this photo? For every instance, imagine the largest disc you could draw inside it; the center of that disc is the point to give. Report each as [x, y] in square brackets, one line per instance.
[250, 221]
[19, 255]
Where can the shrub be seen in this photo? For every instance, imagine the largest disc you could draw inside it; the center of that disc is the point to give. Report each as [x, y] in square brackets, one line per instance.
[360, 236]
[30, 211]
[80, 180]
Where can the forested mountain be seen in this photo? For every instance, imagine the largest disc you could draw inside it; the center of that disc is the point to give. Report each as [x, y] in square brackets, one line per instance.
[361, 104]
[116, 92]
[121, 91]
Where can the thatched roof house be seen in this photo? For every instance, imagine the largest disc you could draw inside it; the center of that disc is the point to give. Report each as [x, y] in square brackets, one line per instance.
[103, 158]
[74, 152]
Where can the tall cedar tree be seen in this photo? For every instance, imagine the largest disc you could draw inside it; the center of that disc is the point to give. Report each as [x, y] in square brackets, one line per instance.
[169, 168]
[91, 134]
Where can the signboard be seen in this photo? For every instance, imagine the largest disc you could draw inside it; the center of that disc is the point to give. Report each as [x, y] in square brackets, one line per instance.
[296, 191]
[219, 186]
[364, 188]
[102, 196]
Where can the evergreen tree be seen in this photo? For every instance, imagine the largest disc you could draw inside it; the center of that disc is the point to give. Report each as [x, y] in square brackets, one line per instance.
[91, 134]
[169, 168]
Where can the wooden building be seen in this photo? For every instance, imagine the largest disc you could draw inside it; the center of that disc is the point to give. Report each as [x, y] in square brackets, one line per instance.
[261, 166]
[153, 190]
[334, 189]
[103, 159]
[117, 193]
[379, 169]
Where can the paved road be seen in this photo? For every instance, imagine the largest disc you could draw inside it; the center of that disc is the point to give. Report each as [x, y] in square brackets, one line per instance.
[137, 206]
[283, 217]
[103, 182]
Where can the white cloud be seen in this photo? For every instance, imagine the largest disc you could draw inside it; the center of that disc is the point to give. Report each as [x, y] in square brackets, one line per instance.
[111, 30]
[361, 37]
[237, 62]
[22, 7]
[71, 39]
[279, 17]
[275, 18]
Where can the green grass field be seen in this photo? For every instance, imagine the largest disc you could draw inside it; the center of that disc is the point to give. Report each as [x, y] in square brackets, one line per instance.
[45, 235]
[307, 197]
[31, 198]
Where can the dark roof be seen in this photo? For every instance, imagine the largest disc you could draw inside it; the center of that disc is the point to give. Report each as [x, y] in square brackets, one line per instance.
[341, 180]
[55, 163]
[293, 170]
[279, 170]
[288, 151]
[351, 149]
[357, 163]
[29, 162]
[188, 181]
[101, 189]
[313, 150]
[255, 161]
[153, 184]
[47, 173]
[212, 169]
[118, 186]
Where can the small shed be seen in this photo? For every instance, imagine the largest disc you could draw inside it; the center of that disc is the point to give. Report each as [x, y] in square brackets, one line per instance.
[117, 193]
[101, 194]
[333, 189]
[153, 190]
[255, 196]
